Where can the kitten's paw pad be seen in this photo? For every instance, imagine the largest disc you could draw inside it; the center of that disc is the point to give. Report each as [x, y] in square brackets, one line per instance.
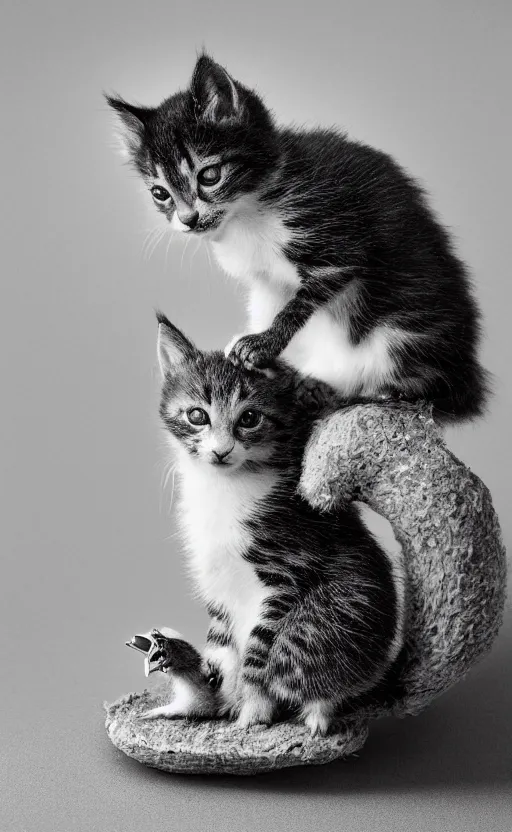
[254, 352]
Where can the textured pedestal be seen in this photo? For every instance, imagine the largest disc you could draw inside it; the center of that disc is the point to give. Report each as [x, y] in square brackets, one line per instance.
[218, 746]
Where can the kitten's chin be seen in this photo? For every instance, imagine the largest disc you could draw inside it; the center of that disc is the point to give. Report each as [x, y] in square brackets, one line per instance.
[208, 466]
[225, 468]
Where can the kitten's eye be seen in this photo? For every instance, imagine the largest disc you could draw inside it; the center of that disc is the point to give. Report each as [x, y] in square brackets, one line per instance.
[160, 194]
[210, 176]
[198, 416]
[250, 419]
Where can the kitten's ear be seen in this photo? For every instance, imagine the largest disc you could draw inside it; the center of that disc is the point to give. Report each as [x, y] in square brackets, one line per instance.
[132, 122]
[215, 93]
[172, 346]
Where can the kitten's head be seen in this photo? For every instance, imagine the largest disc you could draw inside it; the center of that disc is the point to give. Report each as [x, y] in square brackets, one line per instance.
[202, 151]
[225, 416]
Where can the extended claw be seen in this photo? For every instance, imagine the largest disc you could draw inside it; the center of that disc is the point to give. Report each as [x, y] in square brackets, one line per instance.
[140, 643]
[151, 645]
[166, 652]
[148, 668]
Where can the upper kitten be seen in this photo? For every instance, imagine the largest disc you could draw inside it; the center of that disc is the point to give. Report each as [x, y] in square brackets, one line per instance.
[349, 272]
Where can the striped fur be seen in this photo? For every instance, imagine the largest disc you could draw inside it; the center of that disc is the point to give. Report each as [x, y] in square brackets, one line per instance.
[306, 608]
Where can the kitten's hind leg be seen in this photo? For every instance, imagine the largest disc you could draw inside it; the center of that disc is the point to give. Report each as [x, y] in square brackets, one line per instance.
[256, 704]
[189, 700]
[221, 659]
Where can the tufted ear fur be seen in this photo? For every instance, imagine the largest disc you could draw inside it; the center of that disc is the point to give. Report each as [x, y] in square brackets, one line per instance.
[217, 95]
[131, 123]
[172, 346]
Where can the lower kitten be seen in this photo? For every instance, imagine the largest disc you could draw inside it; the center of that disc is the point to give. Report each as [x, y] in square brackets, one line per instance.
[306, 607]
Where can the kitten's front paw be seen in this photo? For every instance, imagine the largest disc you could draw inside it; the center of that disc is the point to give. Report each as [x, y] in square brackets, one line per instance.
[254, 352]
[234, 340]
[256, 709]
[318, 716]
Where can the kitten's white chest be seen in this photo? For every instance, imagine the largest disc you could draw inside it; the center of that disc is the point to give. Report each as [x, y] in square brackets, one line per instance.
[252, 247]
[214, 507]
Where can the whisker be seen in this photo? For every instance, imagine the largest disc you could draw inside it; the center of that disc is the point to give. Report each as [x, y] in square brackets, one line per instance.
[158, 238]
[172, 489]
[187, 241]
[208, 254]
[169, 241]
[147, 238]
[172, 536]
[195, 250]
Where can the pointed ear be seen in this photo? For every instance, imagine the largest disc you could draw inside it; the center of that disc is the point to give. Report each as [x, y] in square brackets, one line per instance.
[131, 123]
[172, 346]
[216, 94]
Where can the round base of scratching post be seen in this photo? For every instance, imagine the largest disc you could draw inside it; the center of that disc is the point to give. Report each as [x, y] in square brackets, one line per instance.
[219, 746]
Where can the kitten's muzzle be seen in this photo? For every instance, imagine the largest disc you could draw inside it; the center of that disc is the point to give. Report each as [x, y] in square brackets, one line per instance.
[189, 218]
[220, 457]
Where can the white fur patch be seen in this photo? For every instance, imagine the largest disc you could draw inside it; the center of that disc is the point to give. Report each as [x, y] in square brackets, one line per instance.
[251, 243]
[214, 506]
[184, 168]
[322, 349]
[317, 715]
[178, 225]
[168, 633]
[382, 531]
[257, 708]
[183, 702]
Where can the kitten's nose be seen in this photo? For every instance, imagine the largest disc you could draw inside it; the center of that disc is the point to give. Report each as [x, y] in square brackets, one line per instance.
[189, 218]
[223, 455]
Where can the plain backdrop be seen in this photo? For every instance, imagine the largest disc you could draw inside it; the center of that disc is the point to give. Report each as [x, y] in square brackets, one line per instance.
[89, 553]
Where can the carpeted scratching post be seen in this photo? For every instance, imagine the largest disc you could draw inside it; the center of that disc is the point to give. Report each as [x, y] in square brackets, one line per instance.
[394, 459]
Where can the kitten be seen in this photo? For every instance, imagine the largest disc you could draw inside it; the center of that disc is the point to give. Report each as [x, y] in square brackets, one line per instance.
[349, 274]
[306, 607]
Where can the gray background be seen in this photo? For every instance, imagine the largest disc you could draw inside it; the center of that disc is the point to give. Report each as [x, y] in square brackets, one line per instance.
[84, 516]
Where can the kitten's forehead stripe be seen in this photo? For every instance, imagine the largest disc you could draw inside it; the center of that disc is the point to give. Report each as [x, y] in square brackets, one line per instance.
[162, 176]
[183, 151]
[177, 185]
[185, 167]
